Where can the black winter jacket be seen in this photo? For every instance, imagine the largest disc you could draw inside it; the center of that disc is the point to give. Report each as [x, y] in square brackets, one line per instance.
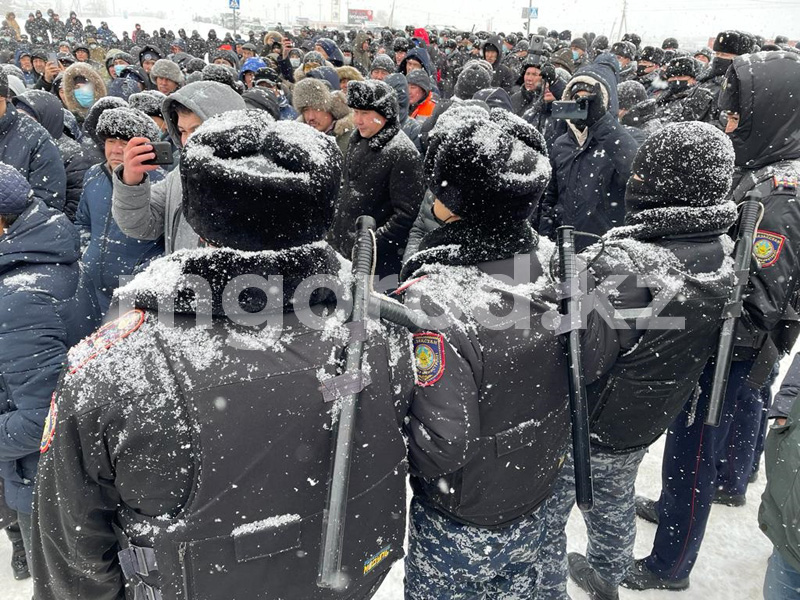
[210, 441]
[382, 178]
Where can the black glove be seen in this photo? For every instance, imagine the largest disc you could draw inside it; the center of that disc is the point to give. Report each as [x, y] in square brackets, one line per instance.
[548, 72]
[597, 107]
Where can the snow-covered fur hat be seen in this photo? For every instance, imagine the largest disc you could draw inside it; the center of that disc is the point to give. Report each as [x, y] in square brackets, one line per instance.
[167, 69]
[223, 74]
[733, 42]
[681, 178]
[148, 101]
[253, 183]
[313, 93]
[126, 123]
[683, 66]
[97, 110]
[373, 95]
[486, 165]
[630, 94]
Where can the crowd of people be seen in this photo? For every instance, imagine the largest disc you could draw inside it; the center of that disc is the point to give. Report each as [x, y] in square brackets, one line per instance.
[162, 437]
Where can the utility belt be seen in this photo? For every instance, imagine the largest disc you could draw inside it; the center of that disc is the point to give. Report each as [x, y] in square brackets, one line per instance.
[139, 567]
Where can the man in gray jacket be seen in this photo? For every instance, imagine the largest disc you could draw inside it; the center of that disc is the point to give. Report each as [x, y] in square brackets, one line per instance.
[144, 211]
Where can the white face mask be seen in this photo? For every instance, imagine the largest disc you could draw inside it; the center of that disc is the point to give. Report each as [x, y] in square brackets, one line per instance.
[348, 60]
[295, 62]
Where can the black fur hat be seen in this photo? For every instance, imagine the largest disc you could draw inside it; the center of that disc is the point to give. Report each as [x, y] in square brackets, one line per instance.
[253, 183]
[734, 42]
[373, 95]
[683, 66]
[486, 165]
[653, 55]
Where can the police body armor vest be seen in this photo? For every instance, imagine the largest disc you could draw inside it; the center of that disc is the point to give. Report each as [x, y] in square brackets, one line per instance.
[262, 438]
[632, 405]
[524, 417]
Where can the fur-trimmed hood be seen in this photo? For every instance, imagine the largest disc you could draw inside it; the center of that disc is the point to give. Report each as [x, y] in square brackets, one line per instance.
[81, 70]
[349, 73]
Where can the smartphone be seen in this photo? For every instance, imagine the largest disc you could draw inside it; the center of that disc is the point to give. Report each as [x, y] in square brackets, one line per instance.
[52, 57]
[163, 152]
[574, 110]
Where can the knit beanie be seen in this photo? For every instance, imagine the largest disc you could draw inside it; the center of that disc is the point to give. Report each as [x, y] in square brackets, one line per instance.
[126, 123]
[15, 191]
[383, 63]
[420, 78]
[484, 165]
[579, 43]
[472, 79]
[168, 70]
[373, 95]
[681, 178]
[253, 183]
[148, 101]
[630, 93]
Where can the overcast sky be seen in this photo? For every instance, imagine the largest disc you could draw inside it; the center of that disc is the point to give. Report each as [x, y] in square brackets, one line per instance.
[689, 20]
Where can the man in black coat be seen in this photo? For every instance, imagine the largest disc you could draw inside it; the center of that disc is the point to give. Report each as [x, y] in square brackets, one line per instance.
[727, 46]
[762, 124]
[592, 161]
[201, 433]
[486, 431]
[669, 261]
[492, 53]
[684, 100]
[382, 177]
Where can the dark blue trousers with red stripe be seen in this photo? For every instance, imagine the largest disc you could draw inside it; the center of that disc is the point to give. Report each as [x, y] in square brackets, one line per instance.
[689, 473]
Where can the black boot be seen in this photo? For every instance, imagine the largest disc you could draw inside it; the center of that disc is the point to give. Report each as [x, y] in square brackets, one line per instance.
[588, 580]
[19, 562]
[721, 497]
[642, 578]
[646, 509]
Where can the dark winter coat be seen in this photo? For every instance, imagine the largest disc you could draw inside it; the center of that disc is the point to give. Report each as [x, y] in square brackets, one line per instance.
[108, 253]
[682, 277]
[587, 190]
[196, 46]
[139, 423]
[423, 224]
[523, 100]
[487, 433]
[382, 178]
[26, 146]
[46, 311]
[49, 113]
[780, 503]
[503, 76]
[643, 116]
[693, 104]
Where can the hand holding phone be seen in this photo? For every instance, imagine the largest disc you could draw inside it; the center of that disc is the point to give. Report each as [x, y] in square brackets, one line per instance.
[163, 152]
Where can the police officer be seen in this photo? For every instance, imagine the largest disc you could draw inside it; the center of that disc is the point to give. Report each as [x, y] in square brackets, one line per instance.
[188, 449]
[761, 123]
[667, 262]
[727, 46]
[486, 431]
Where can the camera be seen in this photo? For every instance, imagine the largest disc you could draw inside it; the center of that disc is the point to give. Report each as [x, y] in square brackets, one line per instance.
[536, 44]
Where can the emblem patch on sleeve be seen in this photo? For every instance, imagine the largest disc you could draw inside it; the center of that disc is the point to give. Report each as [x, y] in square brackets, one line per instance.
[49, 426]
[429, 357]
[105, 337]
[788, 183]
[767, 247]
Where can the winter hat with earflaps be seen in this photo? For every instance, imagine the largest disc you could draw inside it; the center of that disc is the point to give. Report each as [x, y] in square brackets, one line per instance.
[126, 123]
[486, 165]
[313, 93]
[680, 180]
[253, 183]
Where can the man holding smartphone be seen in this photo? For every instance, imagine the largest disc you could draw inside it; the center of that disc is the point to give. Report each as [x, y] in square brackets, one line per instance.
[145, 211]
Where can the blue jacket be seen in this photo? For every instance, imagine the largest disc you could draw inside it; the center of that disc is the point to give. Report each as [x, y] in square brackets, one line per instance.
[26, 146]
[109, 253]
[46, 310]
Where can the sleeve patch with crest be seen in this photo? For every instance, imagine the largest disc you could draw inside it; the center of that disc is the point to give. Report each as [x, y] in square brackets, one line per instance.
[104, 338]
[788, 183]
[49, 426]
[767, 247]
[429, 357]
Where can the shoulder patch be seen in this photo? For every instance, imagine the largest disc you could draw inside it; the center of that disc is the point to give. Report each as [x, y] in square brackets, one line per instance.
[787, 183]
[429, 357]
[767, 247]
[49, 426]
[104, 338]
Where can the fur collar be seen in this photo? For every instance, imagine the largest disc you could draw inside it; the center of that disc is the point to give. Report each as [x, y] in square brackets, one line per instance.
[170, 277]
[92, 76]
[463, 244]
[344, 126]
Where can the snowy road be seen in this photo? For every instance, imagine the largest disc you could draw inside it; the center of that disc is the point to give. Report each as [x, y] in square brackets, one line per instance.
[731, 564]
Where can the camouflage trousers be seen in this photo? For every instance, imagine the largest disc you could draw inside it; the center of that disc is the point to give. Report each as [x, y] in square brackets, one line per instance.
[610, 525]
[448, 560]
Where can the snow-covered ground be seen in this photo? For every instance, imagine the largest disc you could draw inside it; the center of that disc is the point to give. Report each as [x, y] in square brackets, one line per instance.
[731, 565]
